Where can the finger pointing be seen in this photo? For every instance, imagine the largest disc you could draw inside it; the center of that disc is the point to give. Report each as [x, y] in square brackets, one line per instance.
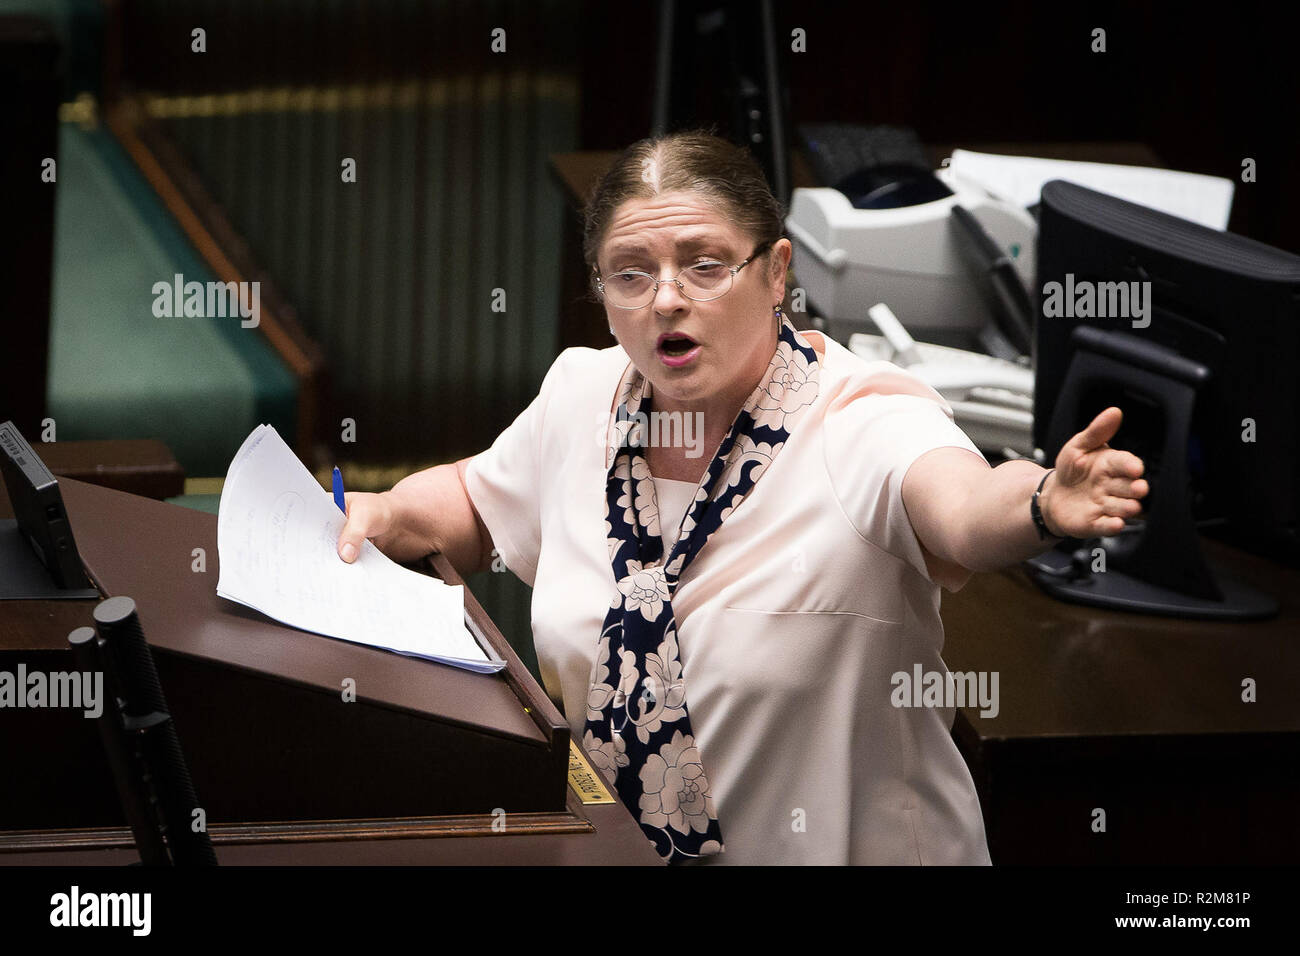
[1099, 431]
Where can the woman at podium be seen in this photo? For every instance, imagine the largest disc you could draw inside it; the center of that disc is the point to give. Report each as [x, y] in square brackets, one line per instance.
[736, 533]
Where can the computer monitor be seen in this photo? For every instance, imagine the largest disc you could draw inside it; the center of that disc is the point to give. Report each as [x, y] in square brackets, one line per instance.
[38, 554]
[1194, 335]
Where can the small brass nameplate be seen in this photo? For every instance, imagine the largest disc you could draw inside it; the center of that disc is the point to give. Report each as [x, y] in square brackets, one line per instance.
[586, 782]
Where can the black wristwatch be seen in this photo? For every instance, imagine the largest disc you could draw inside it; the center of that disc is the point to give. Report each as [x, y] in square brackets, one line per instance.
[1037, 513]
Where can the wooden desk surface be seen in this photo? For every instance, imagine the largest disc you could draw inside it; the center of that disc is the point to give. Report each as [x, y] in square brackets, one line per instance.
[1071, 670]
[129, 543]
[618, 841]
[1134, 716]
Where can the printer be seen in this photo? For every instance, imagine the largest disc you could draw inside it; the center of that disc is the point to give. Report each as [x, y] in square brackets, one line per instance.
[909, 257]
[936, 261]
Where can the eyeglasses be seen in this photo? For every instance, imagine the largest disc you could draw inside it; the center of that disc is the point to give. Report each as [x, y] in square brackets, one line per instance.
[702, 282]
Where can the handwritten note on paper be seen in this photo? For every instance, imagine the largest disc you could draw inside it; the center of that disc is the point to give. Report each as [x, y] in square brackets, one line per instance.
[277, 537]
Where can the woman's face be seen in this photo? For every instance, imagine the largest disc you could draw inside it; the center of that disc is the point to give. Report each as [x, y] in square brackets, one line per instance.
[734, 335]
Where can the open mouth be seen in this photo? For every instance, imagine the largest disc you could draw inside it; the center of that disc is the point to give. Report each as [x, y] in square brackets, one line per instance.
[676, 345]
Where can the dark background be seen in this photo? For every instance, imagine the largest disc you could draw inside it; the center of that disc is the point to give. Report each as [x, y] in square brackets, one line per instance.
[1204, 92]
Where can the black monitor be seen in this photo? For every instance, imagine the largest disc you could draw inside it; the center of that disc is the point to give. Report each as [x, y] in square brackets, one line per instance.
[1194, 335]
[38, 554]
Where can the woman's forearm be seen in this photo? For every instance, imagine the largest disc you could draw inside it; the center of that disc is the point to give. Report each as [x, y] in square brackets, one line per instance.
[966, 512]
[1094, 490]
[980, 517]
[432, 512]
[1002, 532]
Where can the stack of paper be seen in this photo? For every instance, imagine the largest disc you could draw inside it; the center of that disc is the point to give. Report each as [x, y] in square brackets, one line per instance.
[277, 537]
[1019, 179]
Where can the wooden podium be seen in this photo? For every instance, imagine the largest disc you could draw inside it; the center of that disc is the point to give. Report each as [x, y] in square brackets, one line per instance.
[428, 764]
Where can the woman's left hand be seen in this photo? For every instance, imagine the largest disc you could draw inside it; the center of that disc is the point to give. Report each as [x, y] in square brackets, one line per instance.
[1094, 487]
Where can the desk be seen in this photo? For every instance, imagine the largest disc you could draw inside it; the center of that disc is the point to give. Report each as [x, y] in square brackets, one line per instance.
[299, 779]
[1139, 715]
[141, 466]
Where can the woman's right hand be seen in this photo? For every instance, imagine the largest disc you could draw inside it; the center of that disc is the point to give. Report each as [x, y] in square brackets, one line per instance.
[369, 516]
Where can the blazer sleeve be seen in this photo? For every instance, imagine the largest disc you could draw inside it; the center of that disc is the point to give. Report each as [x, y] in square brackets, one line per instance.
[876, 428]
[505, 482]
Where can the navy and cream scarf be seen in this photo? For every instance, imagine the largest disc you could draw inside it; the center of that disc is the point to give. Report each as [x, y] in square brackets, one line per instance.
[638, 732]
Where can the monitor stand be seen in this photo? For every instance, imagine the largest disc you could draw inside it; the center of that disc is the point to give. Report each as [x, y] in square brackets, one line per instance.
[1157, 566]
[22, 576]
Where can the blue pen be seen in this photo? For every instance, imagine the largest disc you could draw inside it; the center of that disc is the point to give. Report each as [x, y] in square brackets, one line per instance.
[338, 490]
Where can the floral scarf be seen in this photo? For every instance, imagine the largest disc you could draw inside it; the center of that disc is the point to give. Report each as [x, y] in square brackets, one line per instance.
[638, 732]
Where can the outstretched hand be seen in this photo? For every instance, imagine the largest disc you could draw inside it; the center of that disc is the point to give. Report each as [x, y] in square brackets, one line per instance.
[1094, 487]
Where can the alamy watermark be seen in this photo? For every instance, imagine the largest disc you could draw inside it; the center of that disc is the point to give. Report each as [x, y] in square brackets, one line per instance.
[131, 911]
[946, 689]
[208, 300]
[1087, 300]
[657, 429]
[80, 690]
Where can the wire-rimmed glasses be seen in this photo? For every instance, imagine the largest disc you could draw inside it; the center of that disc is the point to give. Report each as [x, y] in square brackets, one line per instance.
[701, 282]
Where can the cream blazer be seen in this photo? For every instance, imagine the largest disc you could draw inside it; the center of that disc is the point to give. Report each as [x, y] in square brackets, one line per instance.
[793, 620]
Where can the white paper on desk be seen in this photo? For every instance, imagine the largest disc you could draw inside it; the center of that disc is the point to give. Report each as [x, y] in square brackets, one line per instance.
[1019, 179]
[277, 539]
